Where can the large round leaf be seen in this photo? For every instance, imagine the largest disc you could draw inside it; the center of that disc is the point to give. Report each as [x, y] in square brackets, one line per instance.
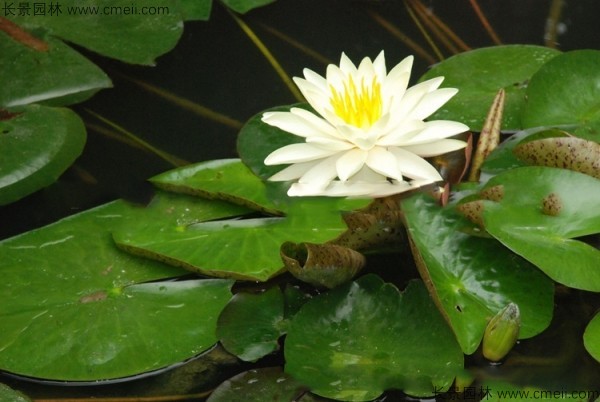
[566, 90]
[473, 278]
[133, 32]
[591, 337]
[540, 214]
[480, 73]
[76, 308]
[38, 143]
[250, 325]
[358, 340]
[243, 248]
[60, 74]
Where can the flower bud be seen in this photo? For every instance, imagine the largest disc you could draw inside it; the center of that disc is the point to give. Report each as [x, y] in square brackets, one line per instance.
[501, 333]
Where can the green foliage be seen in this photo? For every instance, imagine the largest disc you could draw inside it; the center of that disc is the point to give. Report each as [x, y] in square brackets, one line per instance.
[241, 249]
[360, 339]
[77, 308]
[35, 153]
[473, 278]
[9, 395]
[480, 73]
[243, 6]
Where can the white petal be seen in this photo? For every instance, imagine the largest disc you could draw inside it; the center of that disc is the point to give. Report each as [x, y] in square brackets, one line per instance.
[435, 148]
[321, 173]
[315, 79]
[318, 122]
[346, 65]
[293, 172]
[436, 130]
[313, 94]
[379, 66]
[402, 133]
[350, 163]
[383, 162]
[396, 82]
[404, 106]
[293, 124]
[336, 77]
[432, 102]
[363, 139]
[295, 153]
[414, 166]
[332, 144]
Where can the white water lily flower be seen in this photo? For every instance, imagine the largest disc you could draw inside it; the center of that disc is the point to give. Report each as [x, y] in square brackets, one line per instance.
[369, 136]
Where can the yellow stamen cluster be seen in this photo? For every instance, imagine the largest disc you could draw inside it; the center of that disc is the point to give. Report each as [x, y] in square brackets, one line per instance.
[358, 106]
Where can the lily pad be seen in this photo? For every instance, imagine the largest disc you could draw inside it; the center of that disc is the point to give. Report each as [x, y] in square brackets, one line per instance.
[480, 73]
[60, 74]
[356, 341]
[541, 213]
[591, 337]
[225, 179]
[9, 395]
[243, 6]
[132, 32]
[566, 90]
[473, 278]
[259, 385]
[75, 308]
[257, 140]
[250, 325]
[246, 248]
[38, 144]
[196, 9]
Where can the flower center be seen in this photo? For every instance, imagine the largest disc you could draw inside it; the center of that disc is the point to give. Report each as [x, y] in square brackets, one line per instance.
[359, 106]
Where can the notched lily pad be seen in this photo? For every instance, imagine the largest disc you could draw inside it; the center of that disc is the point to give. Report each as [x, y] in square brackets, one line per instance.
[473, 278]
[251, 324]
[570, 153]
[321, 265]
[357, 340]
[76, 308]
[543, 212]
[38, 144]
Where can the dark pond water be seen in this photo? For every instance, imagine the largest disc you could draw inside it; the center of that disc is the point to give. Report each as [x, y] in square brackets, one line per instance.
[217, 66]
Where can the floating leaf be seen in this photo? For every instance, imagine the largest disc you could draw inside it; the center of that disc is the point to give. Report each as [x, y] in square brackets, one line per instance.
[257, 139]
[243, 6]
[473, 278]
[591, 337]
[38, 144]
[75, 308]
[243, 248]
[194, 10]
[542, 212]
[225, 179]
[357, 340]
[566, 90]
[565, 152]
[265, 384]
[250, 325]
[132, 32]
[322, 265]
[480, 73]
[60, 74]
[9, 395]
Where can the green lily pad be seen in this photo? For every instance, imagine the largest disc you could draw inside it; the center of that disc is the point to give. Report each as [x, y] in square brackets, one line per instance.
[225, 179]
[541, 213]
[9, 395]
[259, 385]
[132, 32]
[196, 10]
[250, 325]
[356, 341]
[591, 337]
[473, 278]
[257, 140]
[76, 308]
[480, 73]
[246, 249]
[38, 144]
[566, 90]
[60, 74]
[243, 6]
